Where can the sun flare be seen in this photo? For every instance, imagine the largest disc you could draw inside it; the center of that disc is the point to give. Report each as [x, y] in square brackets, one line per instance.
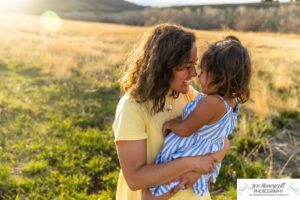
[12, 4]
[50, 21]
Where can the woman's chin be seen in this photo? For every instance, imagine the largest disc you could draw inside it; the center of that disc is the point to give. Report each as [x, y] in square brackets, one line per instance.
[185, 90]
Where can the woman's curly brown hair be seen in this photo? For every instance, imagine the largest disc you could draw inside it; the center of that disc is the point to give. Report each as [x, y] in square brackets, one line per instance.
[150, 67]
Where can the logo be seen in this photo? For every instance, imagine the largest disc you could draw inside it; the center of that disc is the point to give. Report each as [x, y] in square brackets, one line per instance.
[263, 189]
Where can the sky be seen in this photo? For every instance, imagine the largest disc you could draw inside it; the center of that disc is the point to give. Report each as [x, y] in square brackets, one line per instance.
[163, 3]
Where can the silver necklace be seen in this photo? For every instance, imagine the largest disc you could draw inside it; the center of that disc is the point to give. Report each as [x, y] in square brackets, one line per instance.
[169, 107]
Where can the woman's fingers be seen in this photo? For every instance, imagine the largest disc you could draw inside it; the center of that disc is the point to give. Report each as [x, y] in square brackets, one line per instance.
[169, 182]
[181, 186]
[187, 180]
[213, 165]
[205, 164]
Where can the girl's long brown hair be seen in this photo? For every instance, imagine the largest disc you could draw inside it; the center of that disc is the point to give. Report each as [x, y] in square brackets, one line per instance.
[229, 65]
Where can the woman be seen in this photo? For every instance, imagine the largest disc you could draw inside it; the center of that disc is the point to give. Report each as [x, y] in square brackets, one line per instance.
[157, 86]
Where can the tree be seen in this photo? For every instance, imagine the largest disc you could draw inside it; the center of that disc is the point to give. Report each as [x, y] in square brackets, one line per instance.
[263, 1]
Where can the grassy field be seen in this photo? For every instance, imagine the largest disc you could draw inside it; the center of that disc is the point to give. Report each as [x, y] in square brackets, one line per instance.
[58, 94]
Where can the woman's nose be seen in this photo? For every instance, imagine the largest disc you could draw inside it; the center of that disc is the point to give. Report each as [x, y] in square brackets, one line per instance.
[193, 72]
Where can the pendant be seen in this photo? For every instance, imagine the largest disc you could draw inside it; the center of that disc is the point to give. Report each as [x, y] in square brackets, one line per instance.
[169, 108]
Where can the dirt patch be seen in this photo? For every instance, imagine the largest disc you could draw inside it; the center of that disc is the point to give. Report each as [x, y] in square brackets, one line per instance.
[285, 150]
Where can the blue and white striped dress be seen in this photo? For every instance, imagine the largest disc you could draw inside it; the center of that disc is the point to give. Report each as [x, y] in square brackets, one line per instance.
[207, 139]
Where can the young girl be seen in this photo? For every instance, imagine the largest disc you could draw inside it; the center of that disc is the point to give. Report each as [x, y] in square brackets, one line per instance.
[211, 117]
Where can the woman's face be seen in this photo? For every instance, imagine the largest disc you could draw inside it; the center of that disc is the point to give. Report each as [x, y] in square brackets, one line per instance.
[182, 76]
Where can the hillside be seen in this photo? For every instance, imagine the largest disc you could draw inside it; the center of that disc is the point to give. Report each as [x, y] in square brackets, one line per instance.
[66, 6]
[257, 17]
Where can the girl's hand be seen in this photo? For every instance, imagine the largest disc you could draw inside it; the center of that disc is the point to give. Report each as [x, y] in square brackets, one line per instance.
[167, 126]
[147, 195]
[187, 180]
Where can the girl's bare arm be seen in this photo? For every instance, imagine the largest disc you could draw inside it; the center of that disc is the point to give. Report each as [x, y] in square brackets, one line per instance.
[208, 111]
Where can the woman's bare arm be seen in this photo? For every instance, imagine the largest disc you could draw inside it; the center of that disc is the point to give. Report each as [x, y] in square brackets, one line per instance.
[140, 175]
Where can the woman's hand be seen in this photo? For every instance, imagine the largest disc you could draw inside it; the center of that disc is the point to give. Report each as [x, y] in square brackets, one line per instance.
[187, 180]
[203, 164]
[206, 163]
[219, 155]
[148, 196]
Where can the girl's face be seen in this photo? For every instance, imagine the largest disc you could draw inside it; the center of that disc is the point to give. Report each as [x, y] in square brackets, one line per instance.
[204, 80]
[182, 76]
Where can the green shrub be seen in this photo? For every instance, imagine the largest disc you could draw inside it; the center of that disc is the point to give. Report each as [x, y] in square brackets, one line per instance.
[36, 167]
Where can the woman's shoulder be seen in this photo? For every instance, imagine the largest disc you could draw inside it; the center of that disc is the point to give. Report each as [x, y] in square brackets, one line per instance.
[128, 103]
[125, 99]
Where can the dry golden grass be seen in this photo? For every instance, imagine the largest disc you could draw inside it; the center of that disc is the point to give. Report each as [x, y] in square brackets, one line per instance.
[95, 49]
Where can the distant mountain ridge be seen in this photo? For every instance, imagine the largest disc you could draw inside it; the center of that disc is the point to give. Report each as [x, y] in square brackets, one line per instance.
[62, 6]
